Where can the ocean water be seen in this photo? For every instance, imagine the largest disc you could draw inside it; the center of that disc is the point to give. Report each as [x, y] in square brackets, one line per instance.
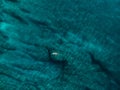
[59, 45]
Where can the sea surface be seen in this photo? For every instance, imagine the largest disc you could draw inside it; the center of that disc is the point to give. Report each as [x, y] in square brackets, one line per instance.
[59, 44]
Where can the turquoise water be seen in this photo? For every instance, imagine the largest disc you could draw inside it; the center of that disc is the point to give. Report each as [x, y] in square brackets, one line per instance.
[59, 45]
